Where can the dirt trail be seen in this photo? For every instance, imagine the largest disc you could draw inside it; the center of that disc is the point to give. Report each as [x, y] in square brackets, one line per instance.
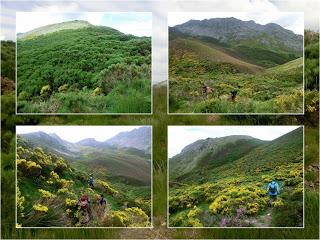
[262, 220]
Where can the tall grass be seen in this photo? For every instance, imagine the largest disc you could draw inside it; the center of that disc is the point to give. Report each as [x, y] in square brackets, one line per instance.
[159, 120]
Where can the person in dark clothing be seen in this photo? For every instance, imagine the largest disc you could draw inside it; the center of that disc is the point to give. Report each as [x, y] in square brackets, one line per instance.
[233, 94]
[91, 181]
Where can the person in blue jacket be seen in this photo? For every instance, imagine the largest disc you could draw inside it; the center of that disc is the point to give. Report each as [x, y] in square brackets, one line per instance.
[273, 190]
[90, 181]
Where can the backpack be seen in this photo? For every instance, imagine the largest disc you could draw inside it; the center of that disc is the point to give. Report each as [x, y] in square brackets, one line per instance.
[102, 201]
[273, 188]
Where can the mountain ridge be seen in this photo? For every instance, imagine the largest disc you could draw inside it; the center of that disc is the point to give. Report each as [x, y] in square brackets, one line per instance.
[234, 31]
[51, 28]
[115, 161]
[204, 153]
[116, 141]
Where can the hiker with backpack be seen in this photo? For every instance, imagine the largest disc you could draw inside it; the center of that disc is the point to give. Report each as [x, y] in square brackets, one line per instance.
[90, 181]
[273, 190]
[101, 201]
[84, 204]
[101, 205]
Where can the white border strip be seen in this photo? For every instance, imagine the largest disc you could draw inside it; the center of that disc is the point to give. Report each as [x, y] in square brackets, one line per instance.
[168, 177]
[151, 182]
[151, 80]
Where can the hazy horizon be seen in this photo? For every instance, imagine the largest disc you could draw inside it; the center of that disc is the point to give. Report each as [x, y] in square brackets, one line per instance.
[67, 132]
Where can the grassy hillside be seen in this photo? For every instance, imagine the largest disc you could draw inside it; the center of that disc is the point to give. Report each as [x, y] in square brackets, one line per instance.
[211, 153]
[203, 50]
[49, 187]
[116, 163]
[194, 63]
[278, 89]
[87, 69]
[53, 28]
[234, 193]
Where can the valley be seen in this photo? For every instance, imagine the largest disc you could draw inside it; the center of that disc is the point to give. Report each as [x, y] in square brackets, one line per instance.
[263, 64]
[53, 174]
[222, 182]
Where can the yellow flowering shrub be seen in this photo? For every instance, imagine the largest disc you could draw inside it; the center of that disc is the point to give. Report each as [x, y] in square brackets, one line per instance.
[187, 218]
[63, 191]
[277, 203]
[110, 190]
[97, 91]
[63, 88]
[45, 91]
[130, 217]
[54, 175]
[28, 168]
[70, 202]
[20, 203]
[249, 197]
[40, 208]
[46, 194]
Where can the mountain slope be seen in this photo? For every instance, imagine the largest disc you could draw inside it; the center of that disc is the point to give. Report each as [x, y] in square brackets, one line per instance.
[235, 31]
[83, 70]
[211, 153]
[76, 24]
[138, 138]
[264, 45]
[51, 143]
[118, 159]
[235, 155]
[233, 193]
[197, 49]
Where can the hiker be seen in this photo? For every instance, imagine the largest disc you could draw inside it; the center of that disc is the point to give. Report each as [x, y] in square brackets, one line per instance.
[102, 203]
[233, 94]
[90, 181]
[101, 200]
[273, 190]
[84, 203]
[207, 90]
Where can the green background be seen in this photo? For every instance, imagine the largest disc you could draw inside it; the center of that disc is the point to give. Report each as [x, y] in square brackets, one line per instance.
[159, 120]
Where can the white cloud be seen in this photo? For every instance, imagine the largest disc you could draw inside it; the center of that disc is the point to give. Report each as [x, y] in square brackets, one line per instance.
[94, 18]
[27, 21]
[77, 133]
[181, 136]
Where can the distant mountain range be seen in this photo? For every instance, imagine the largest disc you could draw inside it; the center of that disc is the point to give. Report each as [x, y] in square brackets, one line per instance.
[263, 45]
[235, 31]
[139, 138]
[222, 154]
[126, 155]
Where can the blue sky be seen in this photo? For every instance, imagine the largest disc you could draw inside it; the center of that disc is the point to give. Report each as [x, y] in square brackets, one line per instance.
[181, 136]
[136, 23]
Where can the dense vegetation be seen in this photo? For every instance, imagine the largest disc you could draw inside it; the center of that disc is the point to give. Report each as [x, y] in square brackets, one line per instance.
[233, 193]
[159, 120]
[49, 187]
[265, 81]
[89, 69]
